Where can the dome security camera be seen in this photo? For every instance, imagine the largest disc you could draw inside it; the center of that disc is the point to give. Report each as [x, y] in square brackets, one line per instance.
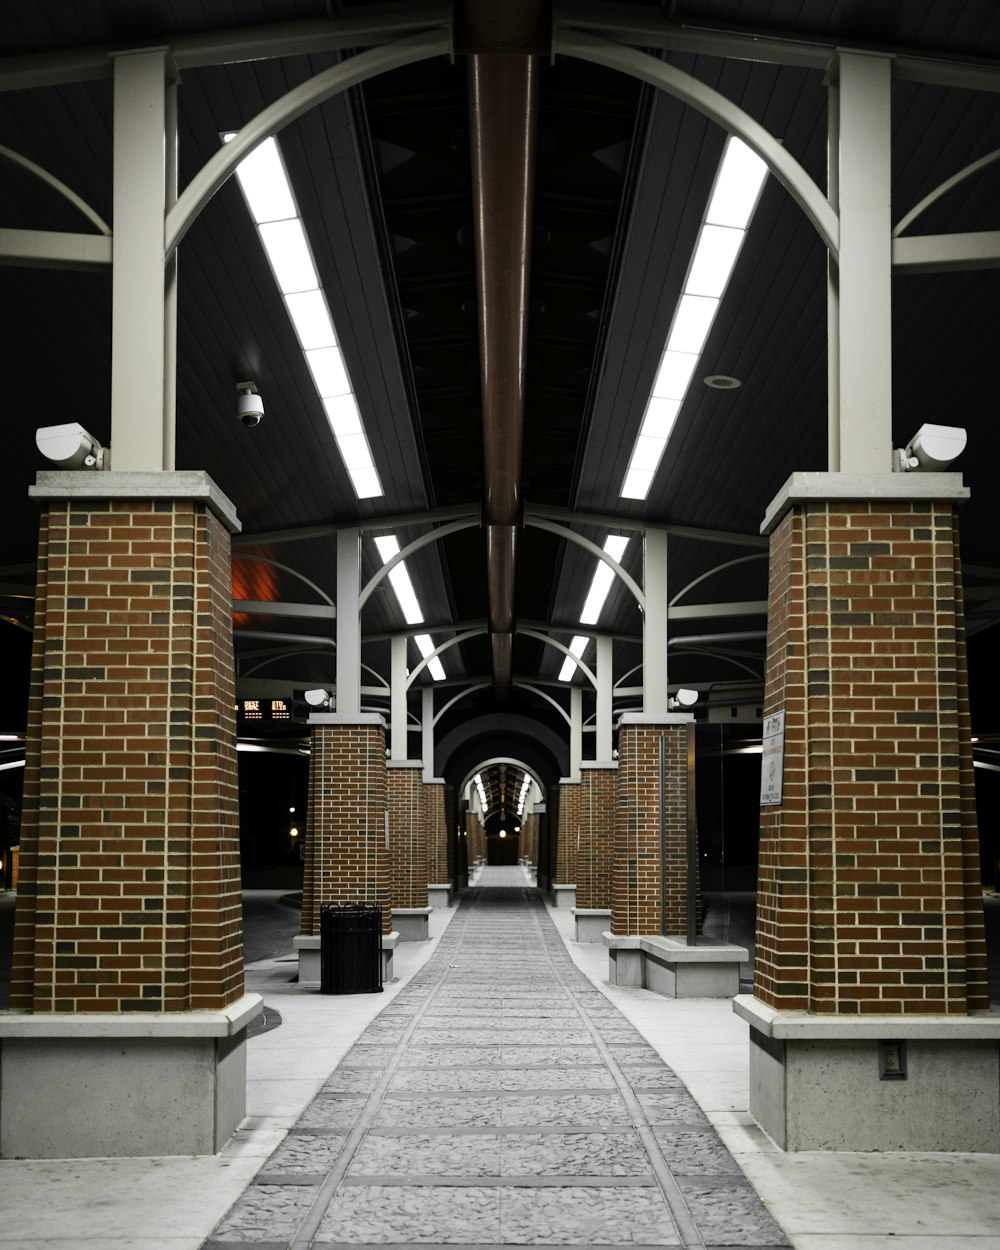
[249, 405]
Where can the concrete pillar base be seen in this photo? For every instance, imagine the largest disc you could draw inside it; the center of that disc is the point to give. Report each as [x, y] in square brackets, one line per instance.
[412, 923]
[438, 894]
[307, 948]
[591, 923]
[88, 1085]
[564, 895]
[821, 1082]
[670, 967]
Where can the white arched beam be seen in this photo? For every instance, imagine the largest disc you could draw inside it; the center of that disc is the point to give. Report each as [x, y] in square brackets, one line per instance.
[433, 536]
[714, 105]
[349, 73]
[572, 536]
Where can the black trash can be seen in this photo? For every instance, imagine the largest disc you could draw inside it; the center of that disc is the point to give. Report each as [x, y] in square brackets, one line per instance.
[350, 948]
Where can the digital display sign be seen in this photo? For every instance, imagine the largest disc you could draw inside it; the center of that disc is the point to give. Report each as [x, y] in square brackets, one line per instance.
[264, 709]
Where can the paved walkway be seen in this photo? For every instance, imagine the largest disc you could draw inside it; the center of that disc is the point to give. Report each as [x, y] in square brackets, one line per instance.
[500, 1099]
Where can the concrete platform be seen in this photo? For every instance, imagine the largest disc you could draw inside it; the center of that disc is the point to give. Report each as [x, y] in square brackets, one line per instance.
[668, 966]
[823, 1201]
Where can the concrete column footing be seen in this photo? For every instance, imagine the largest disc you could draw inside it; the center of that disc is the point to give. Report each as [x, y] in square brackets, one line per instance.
[307, 947]
[122, 1085]
[591, 923]
[564, 895]
[874, 1083]
[668, 966]
[438, 894]
[412, 923]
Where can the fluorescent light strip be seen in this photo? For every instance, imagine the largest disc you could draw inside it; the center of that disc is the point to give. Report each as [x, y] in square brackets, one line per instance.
[399, 579]
[731, 205]
[577, 648]
[426, 648]
[268, 193]
[603, 579]
[615, 546]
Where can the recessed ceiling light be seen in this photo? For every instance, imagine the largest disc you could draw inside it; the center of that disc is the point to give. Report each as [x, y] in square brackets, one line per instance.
[722, 382]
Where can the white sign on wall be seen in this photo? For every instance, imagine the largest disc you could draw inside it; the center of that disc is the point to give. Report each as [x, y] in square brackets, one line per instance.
[772, 760]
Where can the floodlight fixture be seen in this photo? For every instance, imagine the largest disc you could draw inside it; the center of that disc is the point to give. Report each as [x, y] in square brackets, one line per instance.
[682, 699]
[70, 446]
[931, 449]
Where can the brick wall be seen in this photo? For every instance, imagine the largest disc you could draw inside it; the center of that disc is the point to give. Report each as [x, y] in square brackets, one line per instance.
[346, 860]
[435, 807]
[567, 833]
[129, 895]
[407, 837]
[869, 897]
[636, 876]
[595, 855]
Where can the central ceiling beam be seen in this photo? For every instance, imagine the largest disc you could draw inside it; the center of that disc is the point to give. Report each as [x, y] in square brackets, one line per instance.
[501, 42]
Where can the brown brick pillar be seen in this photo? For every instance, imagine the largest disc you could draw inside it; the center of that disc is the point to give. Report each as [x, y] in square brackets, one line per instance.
[595, 856]
[567, 835]
[346, 859]
[408, 850]
[436, 818]
[869, 905]
[648, 897]
[435, 807]
[129, 893]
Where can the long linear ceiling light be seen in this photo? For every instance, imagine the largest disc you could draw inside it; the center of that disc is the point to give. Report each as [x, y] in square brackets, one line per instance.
[734, 197]
[399, 579]
[600, 586]
[271, 201]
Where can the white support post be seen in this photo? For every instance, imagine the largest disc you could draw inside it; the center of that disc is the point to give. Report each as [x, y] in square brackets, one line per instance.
[862, 343]
[427, 731]
[655, 694]
[397, 697]
[605, 688]
[348, 622]
[575, 732]
[137, 322]
[170, 293]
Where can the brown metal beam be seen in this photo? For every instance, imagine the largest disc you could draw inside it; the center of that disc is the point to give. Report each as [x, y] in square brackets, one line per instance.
[501, 41]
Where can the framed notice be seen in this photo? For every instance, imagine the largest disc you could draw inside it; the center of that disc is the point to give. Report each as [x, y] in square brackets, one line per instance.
[772, 760]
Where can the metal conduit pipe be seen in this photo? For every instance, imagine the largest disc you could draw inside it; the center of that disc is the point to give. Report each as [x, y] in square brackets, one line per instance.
[503, 93]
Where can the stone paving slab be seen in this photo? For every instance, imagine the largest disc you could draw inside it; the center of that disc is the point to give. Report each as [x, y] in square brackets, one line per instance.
[500, 1105]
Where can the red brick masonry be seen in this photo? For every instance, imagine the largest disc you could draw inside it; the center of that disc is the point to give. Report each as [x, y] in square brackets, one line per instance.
[869, 897]
[129, 894]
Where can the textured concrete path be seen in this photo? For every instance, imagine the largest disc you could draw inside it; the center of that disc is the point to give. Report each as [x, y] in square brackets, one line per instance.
[499, 1099]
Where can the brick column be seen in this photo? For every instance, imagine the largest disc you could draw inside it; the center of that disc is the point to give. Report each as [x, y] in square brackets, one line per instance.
[408, 850]
[436, 815]
[638, 904]
[567, 834]
[869, 906]
[595, 850]
[346, 859]
[129, 898]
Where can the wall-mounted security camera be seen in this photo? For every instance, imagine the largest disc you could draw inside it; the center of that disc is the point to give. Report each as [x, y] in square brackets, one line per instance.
[70, 446]
[931, 449]
[249, 405]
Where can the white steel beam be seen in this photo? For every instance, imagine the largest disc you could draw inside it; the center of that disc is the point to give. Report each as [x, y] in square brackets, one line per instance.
[397, 713]
[137, 283]
[655, 693]
[605, 691]
[863, 341]
[54, 249]
[716, 106]
[575, 732]
[348, 623]
[946, 253]
[427, 731]
[355, 70]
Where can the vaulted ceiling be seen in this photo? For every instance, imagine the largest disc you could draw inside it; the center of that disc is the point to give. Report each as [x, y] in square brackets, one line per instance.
[383, 176]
